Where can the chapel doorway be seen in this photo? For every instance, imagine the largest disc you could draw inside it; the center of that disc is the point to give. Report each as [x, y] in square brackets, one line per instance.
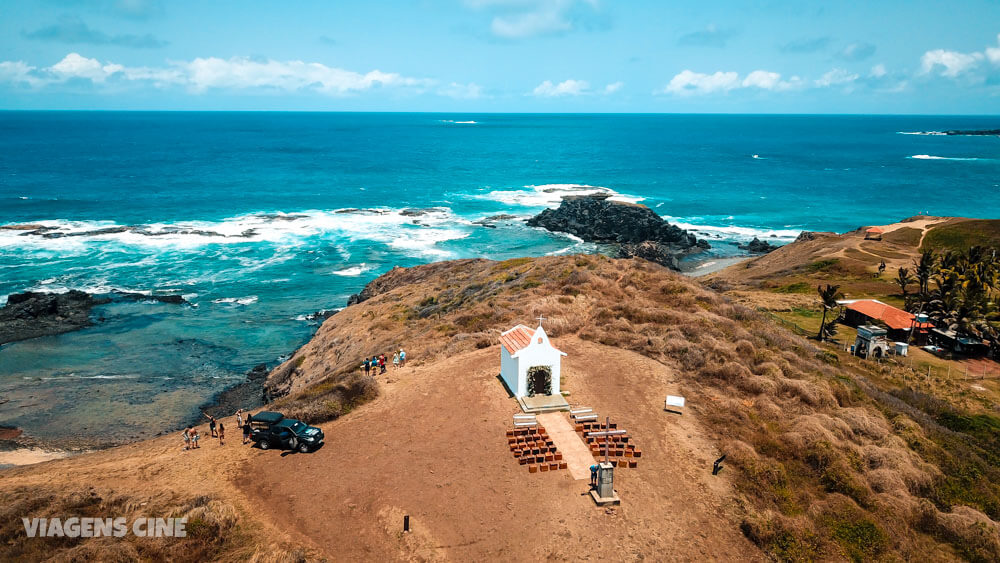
[539, 380]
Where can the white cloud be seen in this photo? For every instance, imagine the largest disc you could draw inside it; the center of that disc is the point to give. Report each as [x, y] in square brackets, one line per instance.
[762, 79]
[954, 63]
[690, 82]
[836, 77]
[993, 53]
[877, 71]
[18, 72]
[515, 19]
[470, 91]
[237, 73]
[613, 87]
[74, 65]
[565, 88]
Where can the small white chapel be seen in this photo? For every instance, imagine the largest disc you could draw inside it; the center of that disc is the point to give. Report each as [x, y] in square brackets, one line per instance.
[529, 364]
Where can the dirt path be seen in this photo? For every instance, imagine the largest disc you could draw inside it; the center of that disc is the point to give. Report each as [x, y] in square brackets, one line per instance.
[432, 447]
[575, 453]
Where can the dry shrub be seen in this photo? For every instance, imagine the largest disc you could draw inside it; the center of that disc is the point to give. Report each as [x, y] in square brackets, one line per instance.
[768, 369]
[865, 423]
[746, 349]
[972, 532]
[885, 480]
[810, 393]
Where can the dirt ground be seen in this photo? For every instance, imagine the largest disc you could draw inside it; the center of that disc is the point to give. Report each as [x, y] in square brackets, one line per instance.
[433, 447]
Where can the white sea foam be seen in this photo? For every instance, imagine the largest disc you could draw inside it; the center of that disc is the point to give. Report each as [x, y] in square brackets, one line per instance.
[550, 195]
[418, 234]
[469, 122]
[352, 271]
[932, 157]
[921, 133]
[250, 299]
[734, 233]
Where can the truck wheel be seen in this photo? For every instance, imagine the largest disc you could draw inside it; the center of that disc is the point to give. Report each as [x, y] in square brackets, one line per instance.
[264, 444]
[304, 448]
[293, 443]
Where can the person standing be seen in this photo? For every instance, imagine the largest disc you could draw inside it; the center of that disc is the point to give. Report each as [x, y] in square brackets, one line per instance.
[593, 476]
[402, 358]
[187, 438]
[395, 361]
[222, 434]
[194, 440]
[246, 430]
[239, 418]
[381, 363]
[211, 424]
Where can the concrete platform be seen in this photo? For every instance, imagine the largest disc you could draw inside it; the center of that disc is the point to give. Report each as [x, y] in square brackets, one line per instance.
[575, 452]
[543, 403]
[602, 501]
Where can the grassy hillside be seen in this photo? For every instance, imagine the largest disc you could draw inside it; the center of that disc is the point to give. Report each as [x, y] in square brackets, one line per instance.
[831, 460]
[962, 235]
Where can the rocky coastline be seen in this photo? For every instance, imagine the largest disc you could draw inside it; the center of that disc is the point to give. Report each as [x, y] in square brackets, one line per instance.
[634, 230]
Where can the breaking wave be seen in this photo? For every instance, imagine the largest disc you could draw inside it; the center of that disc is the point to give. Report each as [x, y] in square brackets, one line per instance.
[549, 195]
[734, 233]
[932, 157]
[417, 231]
[249, 300]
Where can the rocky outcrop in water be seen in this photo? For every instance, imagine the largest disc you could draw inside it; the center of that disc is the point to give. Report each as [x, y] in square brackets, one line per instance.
[977, 132]
[30, 315]
[758, 246]
[636, 229]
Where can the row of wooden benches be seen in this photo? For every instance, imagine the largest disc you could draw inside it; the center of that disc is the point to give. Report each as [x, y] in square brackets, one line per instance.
[615, 443]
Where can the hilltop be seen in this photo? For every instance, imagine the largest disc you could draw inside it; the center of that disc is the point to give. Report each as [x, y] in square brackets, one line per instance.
[825, 459]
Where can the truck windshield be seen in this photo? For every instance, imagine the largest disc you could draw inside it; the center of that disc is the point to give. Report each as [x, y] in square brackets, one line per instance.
[297, 427]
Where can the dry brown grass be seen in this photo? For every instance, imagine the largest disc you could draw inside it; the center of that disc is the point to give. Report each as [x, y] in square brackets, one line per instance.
[215, 529]
[827, 466]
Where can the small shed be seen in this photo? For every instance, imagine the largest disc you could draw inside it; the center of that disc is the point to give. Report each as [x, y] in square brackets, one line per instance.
[871, 342]
[873, 233]
[529, 364]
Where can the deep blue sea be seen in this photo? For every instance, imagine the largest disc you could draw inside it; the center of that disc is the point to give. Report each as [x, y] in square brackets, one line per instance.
[259, 219]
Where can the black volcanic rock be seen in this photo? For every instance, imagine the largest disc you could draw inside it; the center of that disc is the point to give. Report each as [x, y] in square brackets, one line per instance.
[758, 246]
[979, 132]
[30, 315]
[636, 229]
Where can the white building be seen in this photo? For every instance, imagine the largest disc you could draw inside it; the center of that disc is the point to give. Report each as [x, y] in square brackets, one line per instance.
[529, 364]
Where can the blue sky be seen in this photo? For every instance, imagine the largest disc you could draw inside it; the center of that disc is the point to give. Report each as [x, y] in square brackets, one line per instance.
[777, 56]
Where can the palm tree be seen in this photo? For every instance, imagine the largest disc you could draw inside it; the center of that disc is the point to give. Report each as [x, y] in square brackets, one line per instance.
[903, 279]
[923, 270]
[828, 299]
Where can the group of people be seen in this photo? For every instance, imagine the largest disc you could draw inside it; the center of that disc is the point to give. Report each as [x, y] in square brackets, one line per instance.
[217, 430]
[377, 364]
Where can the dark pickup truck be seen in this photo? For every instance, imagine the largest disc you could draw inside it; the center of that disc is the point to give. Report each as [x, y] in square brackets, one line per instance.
[272, 430]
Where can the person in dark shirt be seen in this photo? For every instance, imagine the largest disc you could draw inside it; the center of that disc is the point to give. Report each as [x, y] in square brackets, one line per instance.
[211, 424]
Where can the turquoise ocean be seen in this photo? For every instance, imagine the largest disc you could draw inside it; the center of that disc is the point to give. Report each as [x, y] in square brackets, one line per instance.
[261, 219]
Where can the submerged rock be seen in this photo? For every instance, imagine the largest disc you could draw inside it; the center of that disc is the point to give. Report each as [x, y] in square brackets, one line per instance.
[30, 314]
[636, 229]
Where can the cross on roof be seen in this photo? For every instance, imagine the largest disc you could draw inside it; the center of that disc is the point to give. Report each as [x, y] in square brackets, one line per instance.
[540, 319]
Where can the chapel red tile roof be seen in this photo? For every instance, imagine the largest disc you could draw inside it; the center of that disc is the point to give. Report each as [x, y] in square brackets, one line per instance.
[516, 338]
[894, 318]
[874, 230]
